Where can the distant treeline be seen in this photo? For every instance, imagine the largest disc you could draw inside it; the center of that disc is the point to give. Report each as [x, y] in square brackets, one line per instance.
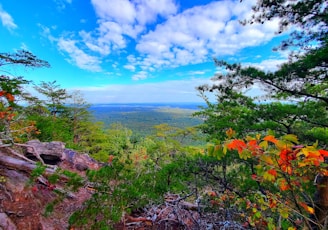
[141, 118]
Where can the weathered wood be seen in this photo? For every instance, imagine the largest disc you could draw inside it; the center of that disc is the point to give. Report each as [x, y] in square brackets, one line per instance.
[22, 165]
[35, 152]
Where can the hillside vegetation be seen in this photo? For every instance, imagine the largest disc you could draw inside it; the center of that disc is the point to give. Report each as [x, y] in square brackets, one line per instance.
[264, 165]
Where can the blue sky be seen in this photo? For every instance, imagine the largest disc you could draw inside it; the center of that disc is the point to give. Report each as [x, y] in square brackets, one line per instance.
[119, 51]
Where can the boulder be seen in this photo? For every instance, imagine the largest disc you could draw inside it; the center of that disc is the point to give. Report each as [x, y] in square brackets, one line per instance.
[50, 152]
[78, 161]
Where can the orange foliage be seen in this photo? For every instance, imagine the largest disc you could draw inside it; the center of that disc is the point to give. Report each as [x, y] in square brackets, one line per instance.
[283, 165]
[286, 157]
[307, 208]
[237, 144]
[270, 138]
[110, 159]
[283, 185]
[230, 133]
[273, 172]
[253, 147]
[323, 153]
[10, 97]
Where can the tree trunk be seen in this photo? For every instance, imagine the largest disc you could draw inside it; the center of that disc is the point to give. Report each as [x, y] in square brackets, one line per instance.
[321, 199]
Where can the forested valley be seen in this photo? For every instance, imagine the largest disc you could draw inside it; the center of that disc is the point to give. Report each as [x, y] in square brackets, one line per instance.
[250, 163]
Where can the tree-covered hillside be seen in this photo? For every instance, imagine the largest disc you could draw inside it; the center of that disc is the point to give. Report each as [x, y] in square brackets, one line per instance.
[142, 118]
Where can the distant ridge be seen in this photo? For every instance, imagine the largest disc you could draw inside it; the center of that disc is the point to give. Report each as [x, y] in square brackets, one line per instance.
[142, 117]
[181, 105]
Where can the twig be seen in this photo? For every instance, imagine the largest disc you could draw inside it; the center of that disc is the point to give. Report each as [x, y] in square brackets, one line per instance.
[35, 152]
[20, 156]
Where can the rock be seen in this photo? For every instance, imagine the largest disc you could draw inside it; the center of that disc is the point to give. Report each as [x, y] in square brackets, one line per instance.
[50, 152]
[78, 161]
[15, 181]
[23, 203]
[45, 224]
[81, 167]
[6, 223]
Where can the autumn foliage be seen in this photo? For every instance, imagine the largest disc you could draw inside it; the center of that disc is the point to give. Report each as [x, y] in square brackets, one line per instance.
[284, 173]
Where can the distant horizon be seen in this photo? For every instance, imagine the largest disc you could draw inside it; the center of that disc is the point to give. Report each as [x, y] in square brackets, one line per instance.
[120, 103]
[180, 105]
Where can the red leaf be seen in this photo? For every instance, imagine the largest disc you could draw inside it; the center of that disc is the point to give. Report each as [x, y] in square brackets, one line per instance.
[238, 145]
[283, 185]
[323, 153]
[110, 159]
[273, 172]
[10, 97]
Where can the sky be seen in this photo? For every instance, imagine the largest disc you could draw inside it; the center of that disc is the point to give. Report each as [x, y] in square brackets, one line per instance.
[132, 51]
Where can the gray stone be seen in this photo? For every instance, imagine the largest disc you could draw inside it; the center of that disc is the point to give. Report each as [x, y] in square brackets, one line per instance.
[49, 151]
[6, 223]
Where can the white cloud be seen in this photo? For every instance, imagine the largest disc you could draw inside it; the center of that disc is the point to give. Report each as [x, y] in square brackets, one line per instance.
[140, 76]
[133, 12]
[121, 11]
[199, 33]
[78, 57]
[61, 4]
[121, 20]
[154, 34]
[268, 65]
[197, 72]
[7, 20]
[130, 67]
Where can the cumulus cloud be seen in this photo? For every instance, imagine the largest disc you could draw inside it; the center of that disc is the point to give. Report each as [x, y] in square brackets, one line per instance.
[140, 76]
[130, 67]
[269, 65]
[154, 34]
[133, 12]
[121, 20]
[7, 20]
[78, 57]
[198, 33]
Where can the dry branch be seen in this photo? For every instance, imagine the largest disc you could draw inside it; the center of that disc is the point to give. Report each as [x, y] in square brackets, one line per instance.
[22, 165]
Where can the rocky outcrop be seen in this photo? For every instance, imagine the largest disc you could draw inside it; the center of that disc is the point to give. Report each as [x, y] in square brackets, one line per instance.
[55, 153]
[50, 152]
[77, 161]
[23, 202]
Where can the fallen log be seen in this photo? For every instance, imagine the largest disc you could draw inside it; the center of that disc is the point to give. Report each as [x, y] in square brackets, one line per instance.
[22, 165]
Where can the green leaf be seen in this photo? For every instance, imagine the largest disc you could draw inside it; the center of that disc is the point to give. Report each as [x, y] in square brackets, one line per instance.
[284, 213]
[264, 145]
[258, 215]
[291, 137]
[210, 150]
[245, 154]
